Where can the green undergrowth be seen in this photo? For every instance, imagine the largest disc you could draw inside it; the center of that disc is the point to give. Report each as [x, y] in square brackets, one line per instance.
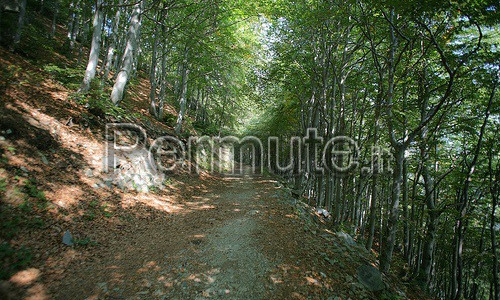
[69, 77]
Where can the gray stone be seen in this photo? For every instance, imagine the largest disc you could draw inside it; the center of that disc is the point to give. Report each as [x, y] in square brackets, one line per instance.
[347, 238]
[89, 173]
[44, 158]
[103, 286]
[370, 278]
[67, 238]
[108, 182]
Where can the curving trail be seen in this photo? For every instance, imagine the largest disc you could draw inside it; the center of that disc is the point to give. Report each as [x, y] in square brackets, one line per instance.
[243, 242]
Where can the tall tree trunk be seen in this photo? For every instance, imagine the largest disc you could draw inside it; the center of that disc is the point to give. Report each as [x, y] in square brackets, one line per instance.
[399, 149]
[54, 19]
[475, 285]
[392, 224]
[183, 95]
[111, 53]
[463, 206]
[20, 25]
[493, 187]
[493, 231]
[163, 86]
[431, 226]
[95, 47]
[406, 227]
[73, 23]
[128, 55]
[375, 170]
[153, 108]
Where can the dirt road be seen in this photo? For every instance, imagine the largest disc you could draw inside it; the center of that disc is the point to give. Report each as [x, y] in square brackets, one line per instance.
[241, 240]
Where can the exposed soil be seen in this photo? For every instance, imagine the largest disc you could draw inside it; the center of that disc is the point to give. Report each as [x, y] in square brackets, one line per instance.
[229, 248]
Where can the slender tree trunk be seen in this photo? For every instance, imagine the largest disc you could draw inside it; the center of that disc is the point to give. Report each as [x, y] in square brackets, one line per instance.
[153, 108]
[73, 23]
[406, 227]
[392, 224]
[493, 187]
[163, 85]
[463, 206]
[183, 96]
[20, 25]
[111, 53]
[128, 55]
[374, 186]
[54, 20]
[475, 286]
[493, 230]
[95, 47]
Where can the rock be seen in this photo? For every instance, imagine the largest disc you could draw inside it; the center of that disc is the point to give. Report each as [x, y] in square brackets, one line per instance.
[323, 212]
[347, 238]
[103, 286]
[89, 173]
[108, 182]
[2, 138]
[24, 169]
[370, 278]
[44, 159]
[68, 239]
[142, 293]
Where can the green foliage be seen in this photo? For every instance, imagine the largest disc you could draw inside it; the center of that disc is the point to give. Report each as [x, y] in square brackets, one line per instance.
[9, 224]
[97, 208]
[169, 119]
[31, 189]
[68, 77]
[85, 242]
[386, 295]
[89, 215]
[168, 181]
[3, 184]
[98, 104]
[12, 260]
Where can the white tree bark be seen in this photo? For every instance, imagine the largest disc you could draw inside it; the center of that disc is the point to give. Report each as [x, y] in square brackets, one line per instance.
[128, 55]
[72, 23]
[182, 99]
[112, 44]
[95, 47]
[54, 20]
[153, 109]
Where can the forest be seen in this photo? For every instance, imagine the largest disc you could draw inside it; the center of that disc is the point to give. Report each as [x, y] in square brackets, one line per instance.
[412, 83]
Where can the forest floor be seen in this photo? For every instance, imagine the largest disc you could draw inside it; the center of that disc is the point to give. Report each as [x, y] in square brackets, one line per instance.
[203, 236]
[240, 242]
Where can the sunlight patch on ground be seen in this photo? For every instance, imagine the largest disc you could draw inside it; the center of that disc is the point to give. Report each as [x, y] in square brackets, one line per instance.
[25, 277]
[65, 196]
[161, 203]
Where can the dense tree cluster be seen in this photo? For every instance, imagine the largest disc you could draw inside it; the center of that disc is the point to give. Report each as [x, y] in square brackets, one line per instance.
[415, 78]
